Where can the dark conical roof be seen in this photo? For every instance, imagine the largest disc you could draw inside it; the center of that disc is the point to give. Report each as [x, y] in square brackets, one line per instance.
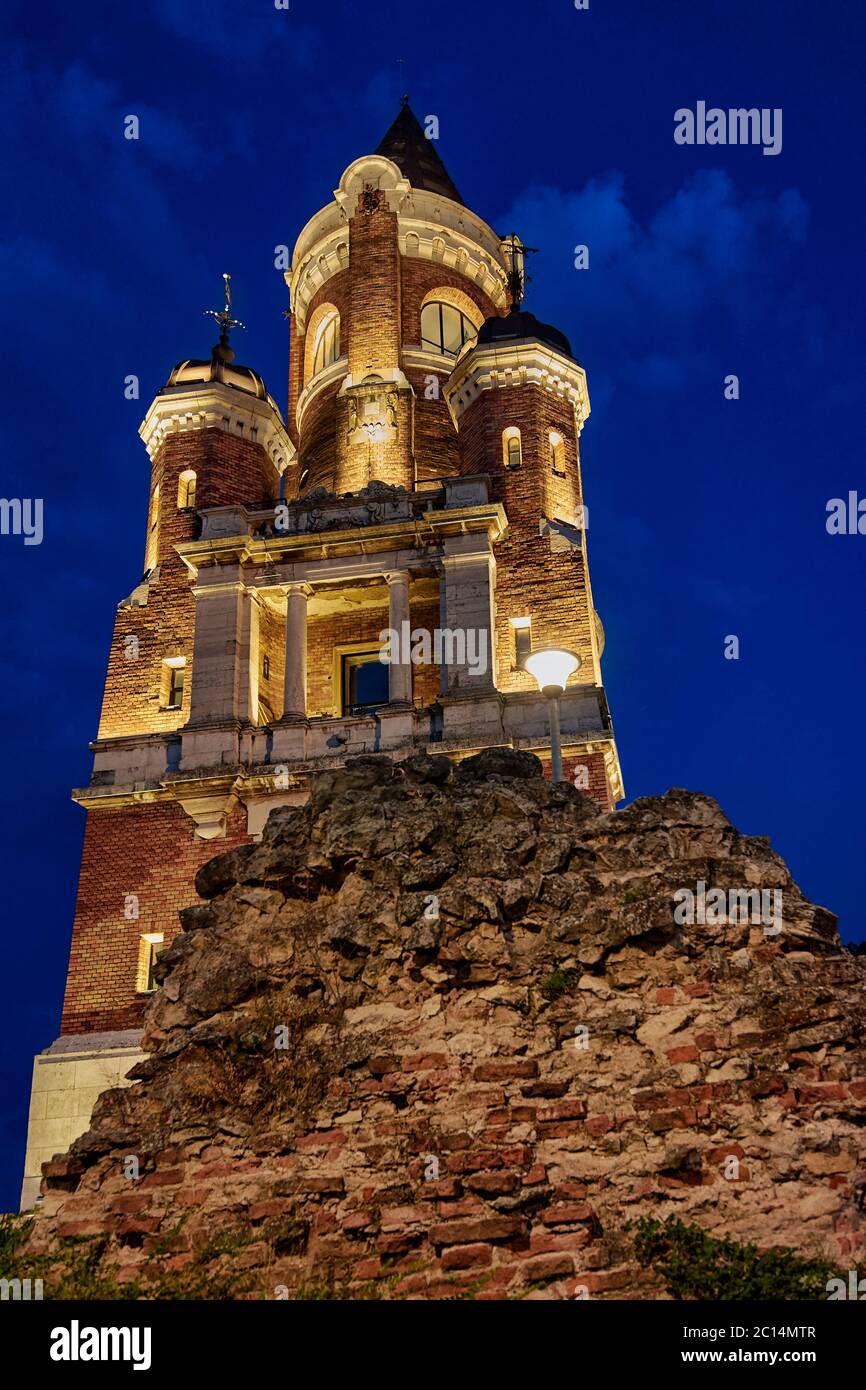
[521, 324]
[416, 156]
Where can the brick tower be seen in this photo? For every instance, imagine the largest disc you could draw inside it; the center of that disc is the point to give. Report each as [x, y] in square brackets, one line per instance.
[426, 487]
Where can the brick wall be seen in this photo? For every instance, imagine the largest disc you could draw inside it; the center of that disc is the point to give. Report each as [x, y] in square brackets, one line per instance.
[324, 634]
[317, 455]
[374, 327]
[228, 469]
[146, 850]
[316, 444]
[532, 580]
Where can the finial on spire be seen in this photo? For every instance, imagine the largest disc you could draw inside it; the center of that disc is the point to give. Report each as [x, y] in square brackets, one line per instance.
[517, 276]
[401, 63]
[222, 351]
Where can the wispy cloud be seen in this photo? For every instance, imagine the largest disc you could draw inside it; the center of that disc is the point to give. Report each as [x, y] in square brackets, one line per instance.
[240, 29]
[708, 247]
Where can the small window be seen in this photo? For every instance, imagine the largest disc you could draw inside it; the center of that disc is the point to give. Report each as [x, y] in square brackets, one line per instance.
[327, 348]
[148, 949]
[512, 452]
[174, 669]
[557, 453]
[186, 489]
[266, 667]
[152, 530]
[522, 639]
[365, 682]
[444, 329]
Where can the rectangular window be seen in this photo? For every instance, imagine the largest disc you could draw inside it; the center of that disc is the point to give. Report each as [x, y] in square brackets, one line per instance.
[175, 687]
[365, 682]
[522, 639]
[266, 667]
[148, 949]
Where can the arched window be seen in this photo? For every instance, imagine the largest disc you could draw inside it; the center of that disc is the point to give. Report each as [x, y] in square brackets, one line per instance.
[327, 348]
[186, 489]
[557, 452]
[512, 452]
[444, 329]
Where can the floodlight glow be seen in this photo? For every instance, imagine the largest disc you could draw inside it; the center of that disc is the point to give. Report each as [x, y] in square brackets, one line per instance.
[551, 667]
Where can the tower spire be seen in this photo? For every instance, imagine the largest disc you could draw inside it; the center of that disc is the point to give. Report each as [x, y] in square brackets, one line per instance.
[223, 351]
[407, 145]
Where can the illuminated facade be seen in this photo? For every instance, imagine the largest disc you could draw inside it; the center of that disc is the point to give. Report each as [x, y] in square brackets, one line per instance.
[427, 485]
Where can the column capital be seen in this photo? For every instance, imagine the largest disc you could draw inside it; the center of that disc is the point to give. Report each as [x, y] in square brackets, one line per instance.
[396, 576]
[299, 586]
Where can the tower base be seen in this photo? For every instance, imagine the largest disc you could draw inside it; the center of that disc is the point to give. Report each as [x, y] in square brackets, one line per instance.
[67, 1078]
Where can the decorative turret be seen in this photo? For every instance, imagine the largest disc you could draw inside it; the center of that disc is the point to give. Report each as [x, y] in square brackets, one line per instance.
[519, 400]
[215, 437]
[387, 285]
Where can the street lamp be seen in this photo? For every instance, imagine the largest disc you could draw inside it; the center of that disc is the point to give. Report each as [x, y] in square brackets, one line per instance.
[551, 667]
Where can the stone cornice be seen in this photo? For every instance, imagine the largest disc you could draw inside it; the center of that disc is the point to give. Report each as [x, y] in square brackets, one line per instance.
[428, 239]
[414, 533]
[524, 363]
[215, 406]
[329, 255]
[430, 227]
[332, 376]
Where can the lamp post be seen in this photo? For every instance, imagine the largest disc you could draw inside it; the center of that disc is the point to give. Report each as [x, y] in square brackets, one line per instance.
[551, 667]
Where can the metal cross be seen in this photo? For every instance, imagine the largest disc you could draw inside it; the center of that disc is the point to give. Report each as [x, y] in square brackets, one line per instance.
[224, 317]
[517, 276]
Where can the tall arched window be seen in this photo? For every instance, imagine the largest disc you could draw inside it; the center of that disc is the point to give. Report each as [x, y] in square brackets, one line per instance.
[557, 451]
[186, 489]
[512, 452]
[327, 348]
[444, 329]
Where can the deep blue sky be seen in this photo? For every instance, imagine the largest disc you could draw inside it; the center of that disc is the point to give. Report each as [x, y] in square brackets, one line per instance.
[707, 517]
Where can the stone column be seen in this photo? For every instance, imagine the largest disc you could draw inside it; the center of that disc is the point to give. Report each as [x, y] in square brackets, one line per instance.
[399, 673]
[295, 691]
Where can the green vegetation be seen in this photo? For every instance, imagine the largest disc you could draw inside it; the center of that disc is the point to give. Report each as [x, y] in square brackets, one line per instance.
[695, 1265]
[557, 983]
[76, 1270]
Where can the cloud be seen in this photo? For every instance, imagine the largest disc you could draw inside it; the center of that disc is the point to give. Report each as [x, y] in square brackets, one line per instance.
[708, 249]
[239, 29]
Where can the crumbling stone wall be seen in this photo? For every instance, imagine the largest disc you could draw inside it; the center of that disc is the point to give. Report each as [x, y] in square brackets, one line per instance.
[439, 1035]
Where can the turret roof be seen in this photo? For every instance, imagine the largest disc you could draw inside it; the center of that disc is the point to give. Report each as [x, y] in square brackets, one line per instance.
[415, 156]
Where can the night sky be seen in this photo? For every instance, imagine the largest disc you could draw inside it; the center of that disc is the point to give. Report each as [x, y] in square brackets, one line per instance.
[707, 515]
